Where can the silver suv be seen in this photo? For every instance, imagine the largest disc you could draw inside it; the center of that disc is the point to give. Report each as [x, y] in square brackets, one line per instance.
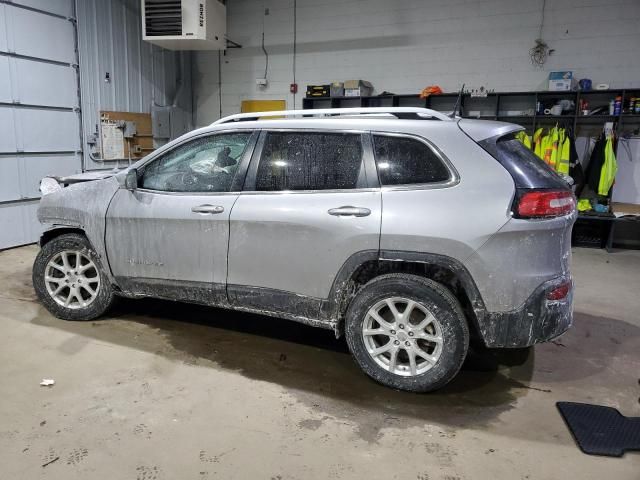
[407, 231]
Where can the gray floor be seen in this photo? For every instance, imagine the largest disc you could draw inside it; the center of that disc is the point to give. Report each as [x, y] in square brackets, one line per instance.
[165, 391]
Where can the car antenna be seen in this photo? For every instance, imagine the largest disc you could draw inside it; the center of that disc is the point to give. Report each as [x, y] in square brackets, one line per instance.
[458, 102]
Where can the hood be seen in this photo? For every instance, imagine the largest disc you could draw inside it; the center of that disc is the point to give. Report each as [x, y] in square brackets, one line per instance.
[86, 176]
[53, 183]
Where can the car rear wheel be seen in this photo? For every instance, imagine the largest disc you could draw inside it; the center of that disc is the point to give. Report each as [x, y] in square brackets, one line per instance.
[69, 281]
[407, 332]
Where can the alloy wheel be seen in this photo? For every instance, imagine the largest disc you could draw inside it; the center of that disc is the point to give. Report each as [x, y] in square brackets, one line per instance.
[402, 336]
[72, 279]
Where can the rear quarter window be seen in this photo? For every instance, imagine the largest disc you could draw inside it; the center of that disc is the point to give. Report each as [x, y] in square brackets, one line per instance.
[407, 161]
[526, 169]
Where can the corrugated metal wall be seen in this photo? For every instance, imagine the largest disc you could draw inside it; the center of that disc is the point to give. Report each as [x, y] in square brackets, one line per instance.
[40, 110]
[141, 75]
[39, 116]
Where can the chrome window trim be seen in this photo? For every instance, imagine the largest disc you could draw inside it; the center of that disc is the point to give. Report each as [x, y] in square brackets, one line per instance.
[289, 192]
[454, 176]
[185, 194]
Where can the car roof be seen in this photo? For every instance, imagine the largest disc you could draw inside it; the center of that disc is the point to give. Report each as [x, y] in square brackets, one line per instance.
[420, 121]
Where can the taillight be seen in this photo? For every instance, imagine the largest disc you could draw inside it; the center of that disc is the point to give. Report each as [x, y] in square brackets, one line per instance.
[545, 203]
[560, 291]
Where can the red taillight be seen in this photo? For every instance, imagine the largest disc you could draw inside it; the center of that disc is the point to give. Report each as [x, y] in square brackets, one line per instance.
[545, 203]
[559, 292]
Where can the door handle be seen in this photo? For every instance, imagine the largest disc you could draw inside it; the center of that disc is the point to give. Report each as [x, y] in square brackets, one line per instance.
[211, 209]
[348, 211]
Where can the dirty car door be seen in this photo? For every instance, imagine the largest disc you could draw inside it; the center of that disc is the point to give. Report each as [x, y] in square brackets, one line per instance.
[169, 236]
[306, 208]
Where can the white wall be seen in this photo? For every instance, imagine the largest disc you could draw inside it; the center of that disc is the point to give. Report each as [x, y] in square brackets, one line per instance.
[404, 45]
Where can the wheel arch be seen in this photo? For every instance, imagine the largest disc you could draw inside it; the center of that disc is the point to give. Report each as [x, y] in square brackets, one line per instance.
[364, 266]
[55, 232]
[58, 230]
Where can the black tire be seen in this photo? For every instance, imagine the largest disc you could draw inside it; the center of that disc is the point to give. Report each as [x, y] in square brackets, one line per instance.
[437, 300]
[104, 293]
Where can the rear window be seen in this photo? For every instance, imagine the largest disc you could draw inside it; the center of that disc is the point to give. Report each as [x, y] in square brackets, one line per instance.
[527, 170]
[406, 161]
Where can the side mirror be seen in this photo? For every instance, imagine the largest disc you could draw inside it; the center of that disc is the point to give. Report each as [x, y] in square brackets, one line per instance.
[131, 180]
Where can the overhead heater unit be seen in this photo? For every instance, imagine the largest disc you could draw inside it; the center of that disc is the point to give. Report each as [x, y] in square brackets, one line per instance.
[185, 24]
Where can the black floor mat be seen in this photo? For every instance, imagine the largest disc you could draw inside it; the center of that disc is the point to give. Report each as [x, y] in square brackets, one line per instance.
[601, 430]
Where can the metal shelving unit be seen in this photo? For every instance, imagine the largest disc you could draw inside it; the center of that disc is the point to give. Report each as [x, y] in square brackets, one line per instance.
[522, 108]
[493, 106]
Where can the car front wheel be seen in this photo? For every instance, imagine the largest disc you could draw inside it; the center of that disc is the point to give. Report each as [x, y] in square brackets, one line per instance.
[407, 332]
[69, 281]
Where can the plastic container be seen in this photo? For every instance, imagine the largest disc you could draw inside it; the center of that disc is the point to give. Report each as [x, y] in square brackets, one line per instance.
[617, 105]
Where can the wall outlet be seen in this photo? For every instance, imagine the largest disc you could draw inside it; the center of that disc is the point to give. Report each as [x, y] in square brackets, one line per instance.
[261, 82]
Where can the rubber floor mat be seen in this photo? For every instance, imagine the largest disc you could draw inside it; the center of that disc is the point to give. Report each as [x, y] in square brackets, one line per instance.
[601, 430]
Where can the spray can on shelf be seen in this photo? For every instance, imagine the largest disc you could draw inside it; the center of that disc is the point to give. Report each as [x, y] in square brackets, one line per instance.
[612, 106]
[617, 105]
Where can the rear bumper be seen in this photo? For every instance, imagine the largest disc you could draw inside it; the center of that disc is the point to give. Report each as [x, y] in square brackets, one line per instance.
[538, 320]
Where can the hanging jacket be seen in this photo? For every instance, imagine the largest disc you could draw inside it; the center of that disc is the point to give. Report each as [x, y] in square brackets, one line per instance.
[609, 169]
[575, 167]
[596, 161]
[537, 142]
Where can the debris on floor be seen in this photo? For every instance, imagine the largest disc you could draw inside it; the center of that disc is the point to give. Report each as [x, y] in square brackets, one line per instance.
[47, 382]
[50, 462]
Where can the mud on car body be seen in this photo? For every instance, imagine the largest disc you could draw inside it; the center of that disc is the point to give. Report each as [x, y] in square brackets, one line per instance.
[407, 231]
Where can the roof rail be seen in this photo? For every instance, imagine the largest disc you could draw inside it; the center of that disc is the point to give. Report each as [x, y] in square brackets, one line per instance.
[414, 113]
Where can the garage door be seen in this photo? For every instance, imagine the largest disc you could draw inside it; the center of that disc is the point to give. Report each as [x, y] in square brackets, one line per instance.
[39, 115]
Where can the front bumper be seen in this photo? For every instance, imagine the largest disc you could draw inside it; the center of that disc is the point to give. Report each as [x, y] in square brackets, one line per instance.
[538, 320]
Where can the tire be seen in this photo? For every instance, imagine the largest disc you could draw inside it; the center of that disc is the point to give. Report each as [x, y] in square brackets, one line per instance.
[436, 327]
[67, 277]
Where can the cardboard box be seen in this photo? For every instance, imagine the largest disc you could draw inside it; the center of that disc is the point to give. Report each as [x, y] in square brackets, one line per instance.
[560, 81]
[357, 88]
[318, 91]
[337, 89]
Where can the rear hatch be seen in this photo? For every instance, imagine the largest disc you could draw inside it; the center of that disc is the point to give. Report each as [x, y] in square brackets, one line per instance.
[540, 191]
[535, 245]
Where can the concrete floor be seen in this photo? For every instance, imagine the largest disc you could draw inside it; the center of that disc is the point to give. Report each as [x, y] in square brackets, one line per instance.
[161, 390]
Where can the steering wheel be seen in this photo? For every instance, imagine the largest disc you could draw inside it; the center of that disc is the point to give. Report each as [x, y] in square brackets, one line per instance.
[189, 179]
[197, 182]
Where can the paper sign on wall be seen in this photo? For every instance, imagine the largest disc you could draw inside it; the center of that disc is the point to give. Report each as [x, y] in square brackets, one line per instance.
[112, 142]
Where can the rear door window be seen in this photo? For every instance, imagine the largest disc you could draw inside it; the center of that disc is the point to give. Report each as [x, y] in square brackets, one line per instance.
[407, 161]
[310, 161]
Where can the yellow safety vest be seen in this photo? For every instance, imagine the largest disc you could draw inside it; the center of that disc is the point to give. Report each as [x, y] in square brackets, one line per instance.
[562, 165]
[547, 148]
[524, 138]
[555, 138]
[537, 143]
[609, 169]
